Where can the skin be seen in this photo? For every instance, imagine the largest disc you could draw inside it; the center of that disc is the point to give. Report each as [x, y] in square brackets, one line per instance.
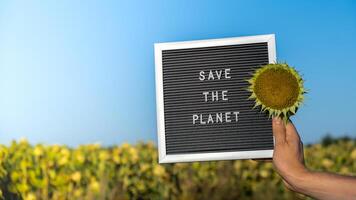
[288, 160]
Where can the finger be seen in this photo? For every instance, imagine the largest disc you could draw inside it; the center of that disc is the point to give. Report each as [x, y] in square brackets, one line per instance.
[301, 149]
[279, 130]
[292, 133]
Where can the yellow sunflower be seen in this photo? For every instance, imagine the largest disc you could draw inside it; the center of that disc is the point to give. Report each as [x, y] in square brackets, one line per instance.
[278, 89]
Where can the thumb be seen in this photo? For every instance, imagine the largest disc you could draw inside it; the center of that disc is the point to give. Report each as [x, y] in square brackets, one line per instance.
[279, 130]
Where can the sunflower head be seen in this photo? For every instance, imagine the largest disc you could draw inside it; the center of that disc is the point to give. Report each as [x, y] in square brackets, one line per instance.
[278, 89]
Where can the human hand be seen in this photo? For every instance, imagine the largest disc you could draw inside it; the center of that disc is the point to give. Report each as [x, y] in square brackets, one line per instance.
[288, 156]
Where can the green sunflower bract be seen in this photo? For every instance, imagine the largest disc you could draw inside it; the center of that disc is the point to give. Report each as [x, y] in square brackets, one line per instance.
[278, 89]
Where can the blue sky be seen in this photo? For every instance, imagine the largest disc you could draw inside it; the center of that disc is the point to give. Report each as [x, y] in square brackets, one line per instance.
[76, 72]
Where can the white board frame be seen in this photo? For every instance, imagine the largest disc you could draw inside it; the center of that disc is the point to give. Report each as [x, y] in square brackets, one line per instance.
[158, 48]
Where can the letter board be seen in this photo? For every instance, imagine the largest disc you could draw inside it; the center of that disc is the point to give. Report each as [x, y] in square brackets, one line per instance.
[203, 110]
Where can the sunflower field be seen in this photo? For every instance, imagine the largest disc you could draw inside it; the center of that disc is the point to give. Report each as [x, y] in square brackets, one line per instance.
[127, 171]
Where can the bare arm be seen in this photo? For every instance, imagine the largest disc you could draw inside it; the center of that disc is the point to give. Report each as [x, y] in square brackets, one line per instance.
[288, 160]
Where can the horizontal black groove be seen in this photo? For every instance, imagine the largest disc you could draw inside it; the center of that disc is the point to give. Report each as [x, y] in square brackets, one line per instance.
[174, 123]
[208, 150]
[168, 54]
[221, 62]
[199, 98]
[211, 141]
[236, 84]
[211, 136]
[251, 66]
[209, 49]
[187, 119]
[203, 108]
[191, 82]
[189, 123]
[249, 147]
[212, 109]
[188, 111]
[183, 71]
[198, 92]
[228, 52]
[188, 59]
[192, 85]
[238, 147]
[217, 128]
[206, 107]
[241, 129]
[195, 74]
[217, 144]
[208, 60]
[233, 89]
[218, 140]
[194, 78]
[217, 137]
[261, 61]
[231, 95]
[175, 105]
[186, 134]
[225, 127]
[234, 125]
[187, 131]
[223, 58]
[259, 120]
[178, 112]
[239, 85]
[245, 118]
[175, 114]
[170, 126]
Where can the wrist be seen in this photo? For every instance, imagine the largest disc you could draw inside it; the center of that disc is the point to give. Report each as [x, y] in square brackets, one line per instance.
[300, 179]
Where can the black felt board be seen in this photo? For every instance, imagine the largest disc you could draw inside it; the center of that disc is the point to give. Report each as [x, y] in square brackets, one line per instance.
[183, 99]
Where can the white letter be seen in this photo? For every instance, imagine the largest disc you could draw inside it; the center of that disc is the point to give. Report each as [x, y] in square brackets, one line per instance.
[211, 75]
[219, 117]
[216, 96]
[201, 119]
[227, 117]
[237, 116]
[201, 76]
[218, 73]
[227, 72]
[210, 119]
[195, 118]
[206, 96]
[224, 95]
